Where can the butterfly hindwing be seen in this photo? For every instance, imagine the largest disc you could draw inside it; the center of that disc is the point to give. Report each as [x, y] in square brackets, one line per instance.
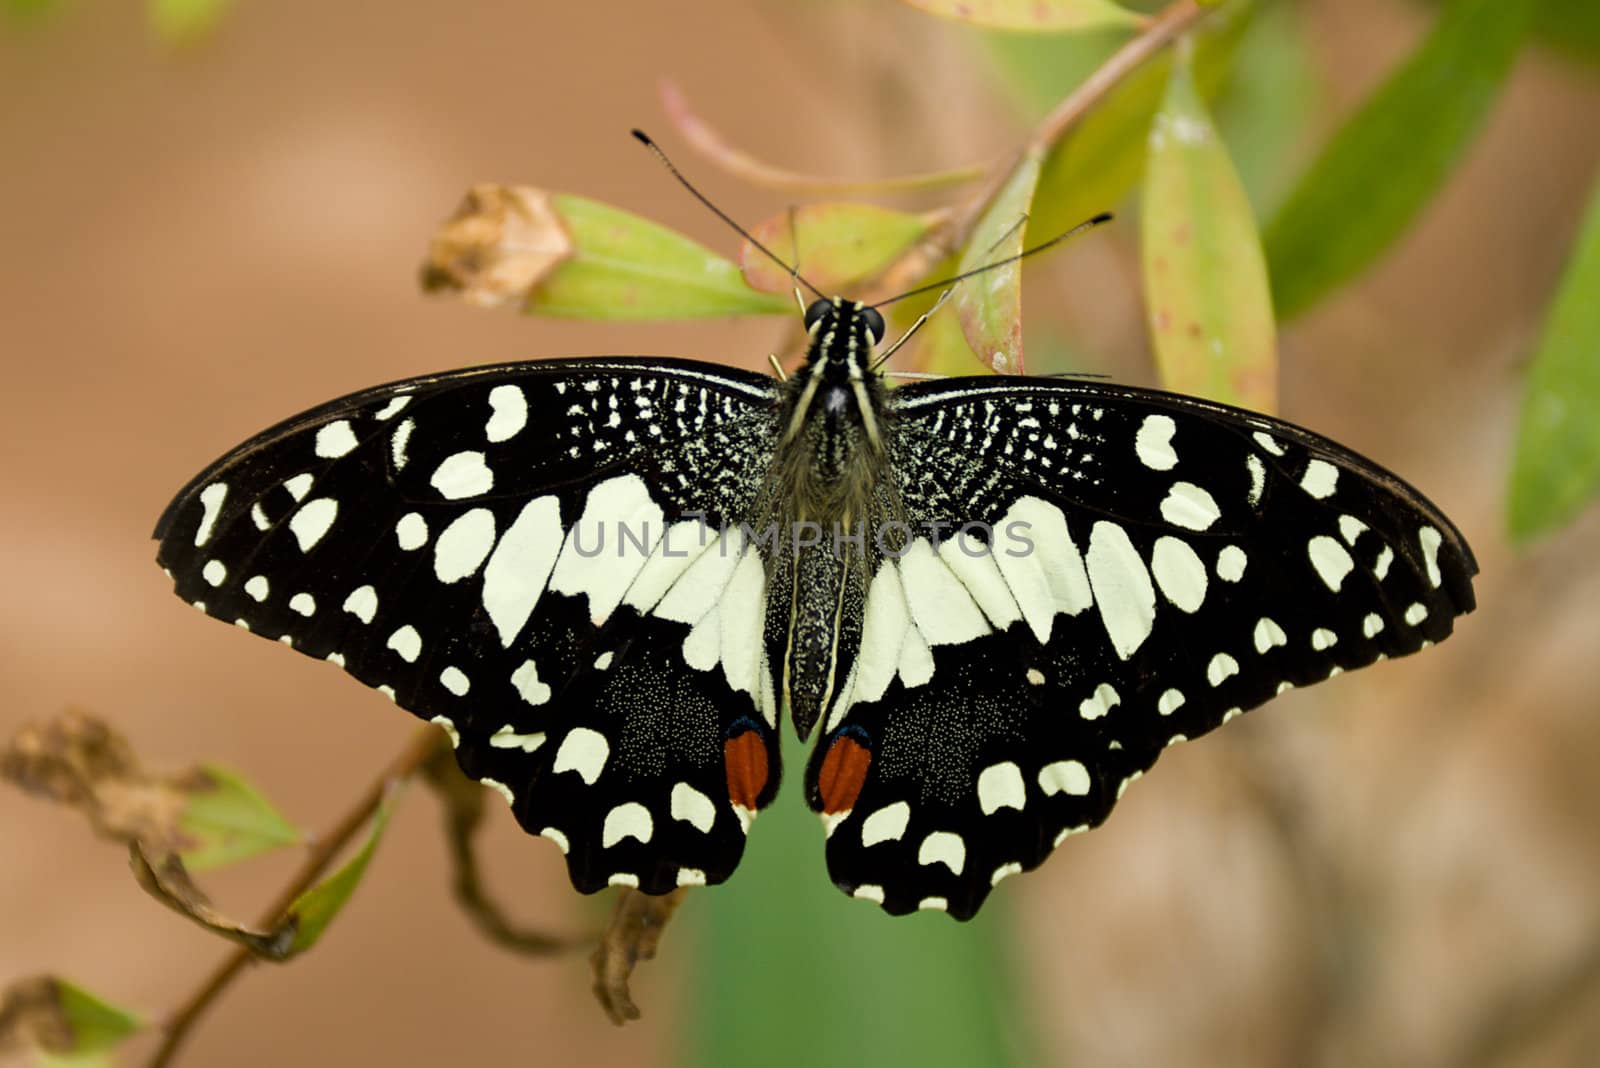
[534, 557]
[1136, 569]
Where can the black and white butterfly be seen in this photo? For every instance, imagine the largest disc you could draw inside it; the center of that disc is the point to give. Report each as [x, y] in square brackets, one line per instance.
[996, 599]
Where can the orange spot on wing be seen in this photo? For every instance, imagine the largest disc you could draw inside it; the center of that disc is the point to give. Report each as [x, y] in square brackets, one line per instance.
[745, 756]
[844, 772]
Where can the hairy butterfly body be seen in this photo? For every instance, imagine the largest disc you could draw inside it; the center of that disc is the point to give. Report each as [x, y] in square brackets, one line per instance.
[995, 599]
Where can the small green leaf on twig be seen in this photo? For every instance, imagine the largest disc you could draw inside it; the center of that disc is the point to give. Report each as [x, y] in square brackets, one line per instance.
[1039, 16]
[990, 304]
[1556, 470]
[1206, 293]
[62, 1021]
[185, 22]
[571, 257]
[1382, 168]
[315, 909]
[227, 820]
[839, 245]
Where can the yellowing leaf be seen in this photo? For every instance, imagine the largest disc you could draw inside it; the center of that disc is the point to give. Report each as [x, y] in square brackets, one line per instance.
[185, 22]
[1039, 16]
[990, 304]
[1206, 291]
[1556, 470]
[839, 244]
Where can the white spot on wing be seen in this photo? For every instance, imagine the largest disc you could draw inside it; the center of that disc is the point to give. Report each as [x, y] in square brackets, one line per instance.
[1268, 635]
[1122, 587]
[943, 847]
[463, 544]
[603, 553]
[1041, 564]
[211, 499]
[1153, 443]
[1000, 786]
[883, 632]
[1258, 478]
[500, 788]
[1169, 702]
[313, 521]
[941, 607]
[1103, 700]
[514, 578]
[335, 440]
[886, 825]
[1416, 614]
[398, 442]
[558, 838]
[979, 573]
[1005, 871]
[1320, 479]
[463, 474]
[692, 806]
[1222, 665]
[257, 587]
[691, 877]
[303, 603]
[411, 532]
[362, 603]
[1323, 638]
[446, 724]
[508, 738]
[510, 413]
[1179, 573]
[873, 894]
[407, 643]
[1330, 559]
[1231, 562]
[215, 573]
[584, 751]
[1187, 505]
[628, 820]
[299, 485]
[1431, 539]
[529, 688]
[1268, 442]
[1372, 625]
[1380, 567]
[1064, 777]
[1350, 528]
[455, 680]
[393, 408]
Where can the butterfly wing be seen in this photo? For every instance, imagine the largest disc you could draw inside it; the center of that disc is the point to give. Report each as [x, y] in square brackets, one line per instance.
[531, 556]
[1143, 567]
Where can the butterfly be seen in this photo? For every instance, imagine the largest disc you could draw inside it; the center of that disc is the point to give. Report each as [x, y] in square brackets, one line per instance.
[994, 600]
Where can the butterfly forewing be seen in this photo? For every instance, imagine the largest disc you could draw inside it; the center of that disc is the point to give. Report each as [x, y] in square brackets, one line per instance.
[1114, 570]
[542, 559]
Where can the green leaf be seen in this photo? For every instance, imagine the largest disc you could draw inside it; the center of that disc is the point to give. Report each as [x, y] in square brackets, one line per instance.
[1206, 294]
[990, 305]
[1037, 16]
[1572, 27]
[1384, 165]
[790, 973]
[1556, 469]
[62, 1022]
[1102, 158]
[28, 11]
[226, 819]
[625, 267]
[184, 22]
[315, 909]
[840, 244]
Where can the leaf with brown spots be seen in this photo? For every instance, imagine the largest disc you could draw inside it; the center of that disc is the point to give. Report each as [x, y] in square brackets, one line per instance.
[990, 304]
[1208, 302]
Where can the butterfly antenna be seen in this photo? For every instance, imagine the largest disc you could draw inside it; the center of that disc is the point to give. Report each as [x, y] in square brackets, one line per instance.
[1089, 224]
[644, 139]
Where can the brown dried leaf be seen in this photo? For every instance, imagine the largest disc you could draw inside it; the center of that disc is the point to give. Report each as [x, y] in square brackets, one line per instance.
[79, 761]
[168, 882]
[633, 936]
[502, 241]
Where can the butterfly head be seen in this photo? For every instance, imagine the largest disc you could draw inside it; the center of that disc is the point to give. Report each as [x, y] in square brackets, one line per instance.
[837, 378]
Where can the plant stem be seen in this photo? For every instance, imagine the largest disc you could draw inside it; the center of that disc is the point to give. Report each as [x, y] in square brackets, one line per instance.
[423, 744]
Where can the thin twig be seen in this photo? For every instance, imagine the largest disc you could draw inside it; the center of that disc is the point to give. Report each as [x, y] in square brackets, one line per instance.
[322, 853]
[710, 144]
[1155, 35]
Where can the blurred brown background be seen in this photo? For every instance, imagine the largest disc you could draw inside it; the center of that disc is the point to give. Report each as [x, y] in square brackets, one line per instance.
[194, 245]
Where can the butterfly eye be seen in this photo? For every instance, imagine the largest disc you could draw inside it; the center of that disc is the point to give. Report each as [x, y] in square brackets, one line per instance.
[818, 310]
[874, 322]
